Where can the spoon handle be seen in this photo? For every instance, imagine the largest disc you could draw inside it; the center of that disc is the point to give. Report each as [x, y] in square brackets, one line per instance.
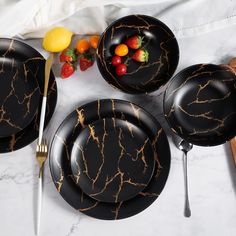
[187, 211]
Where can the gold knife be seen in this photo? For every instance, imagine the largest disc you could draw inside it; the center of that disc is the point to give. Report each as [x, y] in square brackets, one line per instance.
[48, 66]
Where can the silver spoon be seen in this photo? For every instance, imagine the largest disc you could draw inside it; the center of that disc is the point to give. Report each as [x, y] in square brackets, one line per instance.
[184, 146]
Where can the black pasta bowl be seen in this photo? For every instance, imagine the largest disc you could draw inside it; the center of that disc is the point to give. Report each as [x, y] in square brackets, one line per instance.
[141, 77]
[200, 104]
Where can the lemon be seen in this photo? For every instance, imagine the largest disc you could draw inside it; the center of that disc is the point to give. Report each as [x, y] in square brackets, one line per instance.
[57, 39]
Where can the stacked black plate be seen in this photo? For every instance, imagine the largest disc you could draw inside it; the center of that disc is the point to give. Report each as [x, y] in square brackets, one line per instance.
[22, 84]
[110, 159]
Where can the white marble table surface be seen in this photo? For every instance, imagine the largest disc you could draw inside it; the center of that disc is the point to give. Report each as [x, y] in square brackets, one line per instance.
[212, 174]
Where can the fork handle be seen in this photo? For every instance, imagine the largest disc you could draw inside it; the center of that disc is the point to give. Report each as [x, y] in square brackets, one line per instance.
[39, 202]
[42, 119]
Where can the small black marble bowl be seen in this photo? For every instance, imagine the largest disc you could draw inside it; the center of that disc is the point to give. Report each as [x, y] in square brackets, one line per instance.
[159, 41]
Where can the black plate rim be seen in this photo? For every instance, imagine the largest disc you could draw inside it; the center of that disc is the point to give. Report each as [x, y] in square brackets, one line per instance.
[52, 111]
[167, 168]
[169, 31]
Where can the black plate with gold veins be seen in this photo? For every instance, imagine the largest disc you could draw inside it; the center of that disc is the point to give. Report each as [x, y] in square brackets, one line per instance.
[108, 110]
[112, 160]
[140, 77]
[19, 97]
[200, 104]
[22, 76]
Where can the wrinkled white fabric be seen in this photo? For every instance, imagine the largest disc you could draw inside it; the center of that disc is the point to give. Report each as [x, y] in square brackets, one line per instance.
[32, 18]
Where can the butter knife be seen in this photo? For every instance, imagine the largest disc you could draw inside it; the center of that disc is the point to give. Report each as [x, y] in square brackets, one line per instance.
[48, 66]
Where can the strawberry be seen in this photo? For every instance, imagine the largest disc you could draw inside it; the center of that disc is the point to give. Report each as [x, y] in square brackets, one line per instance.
[135, 42]
[67, 70]
[68, 55]
[141, 55]
[86, 61]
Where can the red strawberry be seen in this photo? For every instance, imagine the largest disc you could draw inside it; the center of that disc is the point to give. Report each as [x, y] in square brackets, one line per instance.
[121, 69]
[67, 70]
[68, 55]
[141, 55]
[134, 42]
[86, 61]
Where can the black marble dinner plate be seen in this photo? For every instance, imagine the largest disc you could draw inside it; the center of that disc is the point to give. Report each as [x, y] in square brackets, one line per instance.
[112, 160]
[140, 77]
[62, 144]
[22, 55]
[20, 94]
[200, 104]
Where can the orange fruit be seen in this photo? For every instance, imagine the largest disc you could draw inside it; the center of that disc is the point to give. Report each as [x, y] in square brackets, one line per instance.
[82, 46]
[121, 50]
[94, 41]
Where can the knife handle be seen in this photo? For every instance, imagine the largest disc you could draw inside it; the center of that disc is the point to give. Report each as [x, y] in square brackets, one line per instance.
[39, 203]
[233, 148]
[42, 119]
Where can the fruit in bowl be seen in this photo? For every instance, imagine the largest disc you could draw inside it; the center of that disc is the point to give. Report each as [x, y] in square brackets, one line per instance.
[152, 56]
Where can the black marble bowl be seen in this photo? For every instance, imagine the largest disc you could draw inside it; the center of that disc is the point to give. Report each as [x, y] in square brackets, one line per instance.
[159, 41]
[200, 104]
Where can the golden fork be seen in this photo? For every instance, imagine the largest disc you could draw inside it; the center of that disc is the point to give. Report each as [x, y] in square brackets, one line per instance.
[41, 155]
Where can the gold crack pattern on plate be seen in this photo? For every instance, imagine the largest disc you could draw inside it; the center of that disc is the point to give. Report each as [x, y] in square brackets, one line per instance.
[59, 182]
[140, 152]
[154, 145]
[101, 148]
[93, 207]
[194, 75]
[64, 144]
[130, 128]
[89, 208]
[210, 77]
[136, 111]
[119, 174]
[26, 101]
[116, 211]
[80, 119]
[31, 69]
[156, 79]
[99, 107]
[147, 194]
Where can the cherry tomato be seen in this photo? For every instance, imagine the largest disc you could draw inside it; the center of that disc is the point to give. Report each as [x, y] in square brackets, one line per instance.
[94, 41]
[116, 60]
[121, 69]
[121, 50]
[82, 46]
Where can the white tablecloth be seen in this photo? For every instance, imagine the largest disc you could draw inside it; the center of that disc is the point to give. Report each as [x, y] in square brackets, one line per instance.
[29, 18]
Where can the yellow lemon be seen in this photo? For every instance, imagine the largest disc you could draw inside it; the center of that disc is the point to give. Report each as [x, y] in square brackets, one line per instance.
[57, 39]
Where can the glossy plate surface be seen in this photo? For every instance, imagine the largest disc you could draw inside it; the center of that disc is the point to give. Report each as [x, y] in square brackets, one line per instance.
[140, 77]
[25, 67]
[61, 151]
[112, 160]
[19, 97]
[200, 104]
